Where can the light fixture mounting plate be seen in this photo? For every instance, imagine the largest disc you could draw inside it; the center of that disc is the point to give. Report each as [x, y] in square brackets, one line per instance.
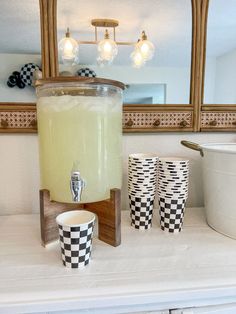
[105, 23]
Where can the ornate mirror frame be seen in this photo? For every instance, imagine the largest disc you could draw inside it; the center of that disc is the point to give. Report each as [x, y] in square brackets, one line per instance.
[192, 117]
[213, 117]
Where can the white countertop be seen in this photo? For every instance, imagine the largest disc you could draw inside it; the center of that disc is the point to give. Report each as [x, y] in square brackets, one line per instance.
[150, 270]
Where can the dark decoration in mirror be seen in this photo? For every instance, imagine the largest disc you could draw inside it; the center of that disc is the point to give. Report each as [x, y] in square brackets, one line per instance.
[28, 74]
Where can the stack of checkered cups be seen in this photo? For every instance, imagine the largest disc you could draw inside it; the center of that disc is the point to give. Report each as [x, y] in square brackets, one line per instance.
[142, 179]
[173, 176]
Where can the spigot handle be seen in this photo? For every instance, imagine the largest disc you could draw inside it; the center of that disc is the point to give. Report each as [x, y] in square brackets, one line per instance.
[76, 185]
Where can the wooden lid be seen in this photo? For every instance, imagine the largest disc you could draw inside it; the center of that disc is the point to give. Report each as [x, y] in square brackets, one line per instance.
[77, 79]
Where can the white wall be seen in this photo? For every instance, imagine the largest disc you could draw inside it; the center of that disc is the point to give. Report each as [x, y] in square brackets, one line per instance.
[220, 79]
[8, 64]
[225, 86]
[19, 165]
[177, 79]
[209, 83]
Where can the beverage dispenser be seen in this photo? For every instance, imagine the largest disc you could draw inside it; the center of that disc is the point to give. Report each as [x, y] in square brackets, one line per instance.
[80, 142]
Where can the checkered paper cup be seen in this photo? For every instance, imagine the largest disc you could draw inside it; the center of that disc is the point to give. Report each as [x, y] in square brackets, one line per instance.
[76, 232]
[171, 213]
[173, 178]
[141, 211]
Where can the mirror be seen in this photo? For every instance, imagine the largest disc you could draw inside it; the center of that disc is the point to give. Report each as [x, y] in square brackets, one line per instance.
[135, 94]
[19, 45]
[168, 25]
[220, 77]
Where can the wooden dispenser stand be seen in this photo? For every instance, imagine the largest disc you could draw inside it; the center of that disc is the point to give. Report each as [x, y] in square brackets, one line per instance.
[108, 213]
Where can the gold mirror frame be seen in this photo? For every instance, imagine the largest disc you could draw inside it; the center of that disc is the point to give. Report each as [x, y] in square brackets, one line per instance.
[193, 117]
[213, 117]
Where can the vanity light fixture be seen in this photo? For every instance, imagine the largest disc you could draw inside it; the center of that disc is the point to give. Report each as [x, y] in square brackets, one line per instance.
[68, 49]
[107, 48]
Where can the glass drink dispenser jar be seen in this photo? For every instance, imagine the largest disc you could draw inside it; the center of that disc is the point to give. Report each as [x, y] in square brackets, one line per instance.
[80, 134]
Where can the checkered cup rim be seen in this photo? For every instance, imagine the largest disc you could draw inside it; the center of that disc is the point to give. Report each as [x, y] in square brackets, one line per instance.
[142, 173]
[142, 184]
[142, 195]
[145, 197]
[142, 187]
[172, 183]
[177, 169]
[80, 218]
[173, 160]
[133, 169]
[173, 171]
[174, 166]
[173, 178]
[139, 193]
[75, 218]
[140, 167]
[173, 197]
[171, 175]
[173, 187]
[172, 193]
[168, 190]
[142, 178]
[143, 162]
[143, 156]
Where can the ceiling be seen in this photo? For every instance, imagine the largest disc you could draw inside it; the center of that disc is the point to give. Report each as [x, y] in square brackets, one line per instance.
[166, 22]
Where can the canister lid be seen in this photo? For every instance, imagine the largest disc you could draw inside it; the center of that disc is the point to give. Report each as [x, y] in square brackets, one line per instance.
[82, 80]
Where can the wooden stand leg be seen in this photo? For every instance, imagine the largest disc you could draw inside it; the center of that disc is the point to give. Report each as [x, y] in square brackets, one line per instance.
[107, 211]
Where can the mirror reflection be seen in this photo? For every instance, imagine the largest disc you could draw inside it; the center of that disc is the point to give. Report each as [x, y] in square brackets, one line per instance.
[220, 77]
[164, 61]
[19, 49]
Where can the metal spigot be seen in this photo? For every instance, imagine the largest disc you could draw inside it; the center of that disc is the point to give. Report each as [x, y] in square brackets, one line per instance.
[76, 186]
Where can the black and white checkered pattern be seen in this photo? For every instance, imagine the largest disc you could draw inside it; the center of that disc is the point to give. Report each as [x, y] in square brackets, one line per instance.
[86, 72]
[171, 214]
[141, 210]
[76, 244]
[27, 72]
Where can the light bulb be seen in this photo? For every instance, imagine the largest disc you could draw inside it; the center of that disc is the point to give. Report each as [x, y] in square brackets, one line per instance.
[137, 58]
[68, 49]
[107, 48]
[145, 47]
